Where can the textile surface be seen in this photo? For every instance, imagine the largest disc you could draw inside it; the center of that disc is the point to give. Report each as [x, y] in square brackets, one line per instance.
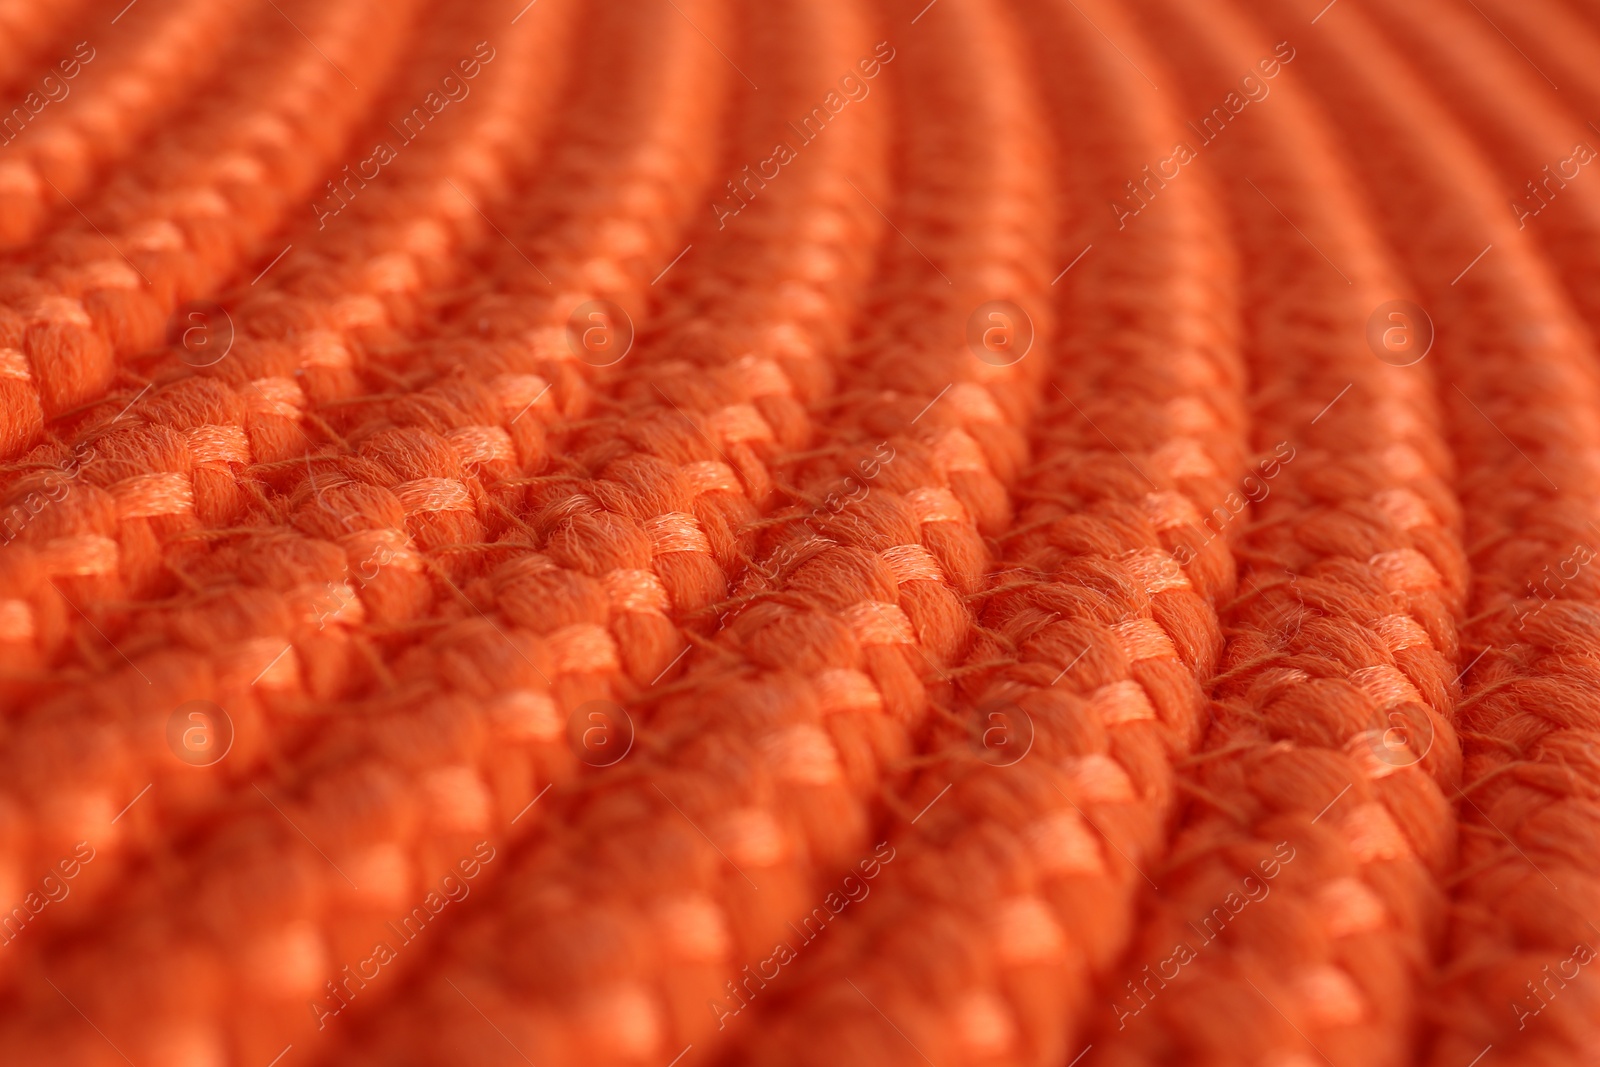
[664, 533]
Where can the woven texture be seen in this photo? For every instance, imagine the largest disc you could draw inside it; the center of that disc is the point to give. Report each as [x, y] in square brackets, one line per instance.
[683, 533]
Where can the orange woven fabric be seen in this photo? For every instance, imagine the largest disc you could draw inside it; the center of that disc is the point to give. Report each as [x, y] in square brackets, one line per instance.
[686, 532]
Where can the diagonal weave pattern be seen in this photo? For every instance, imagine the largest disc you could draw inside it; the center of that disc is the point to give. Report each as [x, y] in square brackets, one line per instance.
[662, 533]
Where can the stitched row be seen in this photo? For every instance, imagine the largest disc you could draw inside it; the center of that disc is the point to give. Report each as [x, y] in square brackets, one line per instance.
[1540, 149]
[1082, 686]
[195, 428]
[1521, 407]
[1306, 870]
[364, 755]
[118, 514]
[863, 606]
[195, 207]
[103, 96]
